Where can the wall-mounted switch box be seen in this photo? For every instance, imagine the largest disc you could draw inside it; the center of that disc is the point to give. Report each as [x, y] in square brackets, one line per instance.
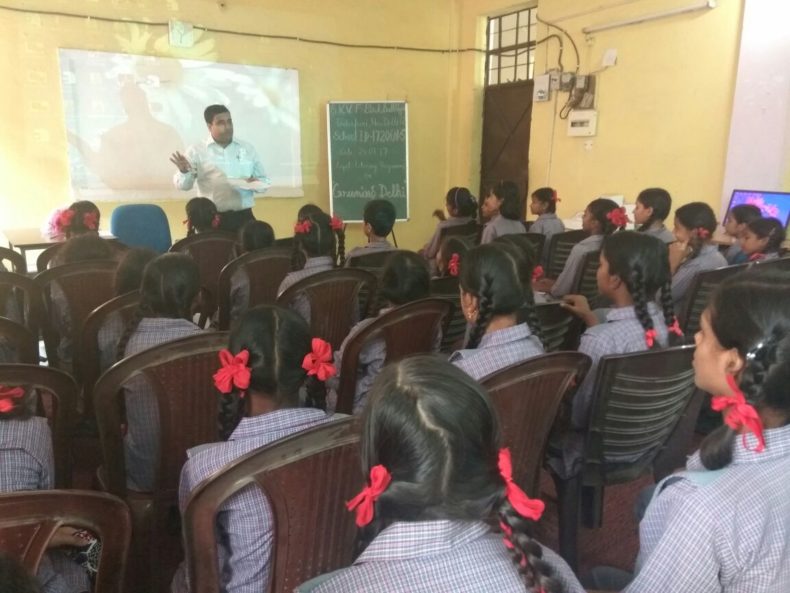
[540, 91]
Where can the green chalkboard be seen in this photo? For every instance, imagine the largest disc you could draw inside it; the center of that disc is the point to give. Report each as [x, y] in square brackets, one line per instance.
[368, 156]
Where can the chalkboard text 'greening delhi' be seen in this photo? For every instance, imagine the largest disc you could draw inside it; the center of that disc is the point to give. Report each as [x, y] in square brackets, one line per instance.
[377, 190]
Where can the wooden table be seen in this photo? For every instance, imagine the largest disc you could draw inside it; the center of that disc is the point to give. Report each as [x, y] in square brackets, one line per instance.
[24, 240]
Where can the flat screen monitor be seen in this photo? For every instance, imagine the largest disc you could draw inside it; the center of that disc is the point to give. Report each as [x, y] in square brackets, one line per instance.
[772, 204]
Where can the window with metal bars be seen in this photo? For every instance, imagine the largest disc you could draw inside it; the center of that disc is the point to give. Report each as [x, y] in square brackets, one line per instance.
[510, 53]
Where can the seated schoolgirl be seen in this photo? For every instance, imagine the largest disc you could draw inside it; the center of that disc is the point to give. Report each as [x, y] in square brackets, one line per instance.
[693, 251]
[405, 279]
[81, 217]
[762, 239]
[439, 481]
[378, 221]
[601, 218]
[202, 216]
[168, 289]
[502, 209]
[461, 207]
[271, 358]
[633, 268]
[737, 219]
[493, 300]
[543, 202]
[447, 264]
[652, 208]
[254, 235]
[724, 522]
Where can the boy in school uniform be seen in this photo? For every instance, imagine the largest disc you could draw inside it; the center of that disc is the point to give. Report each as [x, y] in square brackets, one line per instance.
[379, 218]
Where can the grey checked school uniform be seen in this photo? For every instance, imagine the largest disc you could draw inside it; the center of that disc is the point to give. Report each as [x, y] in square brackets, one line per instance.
[499, 226]
[245, 522]
[313, 266]
[725, 533]
[548, 224]
[432, 247]
[372, 247]
[708, 258]
[564, 283]
[497, 350]
[661, 232]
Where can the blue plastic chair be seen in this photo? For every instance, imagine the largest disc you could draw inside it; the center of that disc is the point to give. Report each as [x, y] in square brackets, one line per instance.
[141, 225]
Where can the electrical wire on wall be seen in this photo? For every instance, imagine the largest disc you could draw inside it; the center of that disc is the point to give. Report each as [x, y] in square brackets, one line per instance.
[568, 35]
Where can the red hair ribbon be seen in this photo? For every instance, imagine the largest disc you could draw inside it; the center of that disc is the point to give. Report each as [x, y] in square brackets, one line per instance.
[554, 196]
[234, 371]
[215, 221]
[675, 328]
[529, 508]
[90, 220]
[618, 217]
[739, 413]
[756, 256]
[650, 337]
[537, 273]
[319, 361]
[702, 233]
[7, 397]
[64, 219]
[302, 228]
[336, 223]
[454, 265]
[364, 502]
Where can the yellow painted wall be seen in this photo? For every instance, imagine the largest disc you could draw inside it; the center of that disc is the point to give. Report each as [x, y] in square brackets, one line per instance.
[33, 164]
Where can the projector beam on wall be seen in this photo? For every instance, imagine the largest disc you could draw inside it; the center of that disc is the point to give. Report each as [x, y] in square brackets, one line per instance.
[704, 5]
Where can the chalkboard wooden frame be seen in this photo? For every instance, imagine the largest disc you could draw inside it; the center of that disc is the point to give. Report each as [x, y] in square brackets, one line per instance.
[377, 189]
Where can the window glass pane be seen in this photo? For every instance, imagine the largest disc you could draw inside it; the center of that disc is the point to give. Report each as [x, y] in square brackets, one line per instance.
[493, 76]
[508, 37]
[523, 35]
[522, 72]
[493, 34]
[507, 75]
[531, 73]
[509, 21]
[521, 56]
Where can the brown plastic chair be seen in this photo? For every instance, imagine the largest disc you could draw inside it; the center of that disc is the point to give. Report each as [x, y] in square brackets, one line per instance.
[307, 478]
[15, 259]
[408, 329]
[86, 286]
[88, 345]
[560, 246]
[373, 263]
[265, 269]
[558, 326]
[469, 232]
[527, 396]
[22, 345]
[26, 297]
[338, 299]
[699, 292]
[537, 240]
[180, 373]
[57, 401]
[586, 282]
[285, 242]
[28, 520]
[455, 329]
[46, 256]
[780, 264]
[637, 404]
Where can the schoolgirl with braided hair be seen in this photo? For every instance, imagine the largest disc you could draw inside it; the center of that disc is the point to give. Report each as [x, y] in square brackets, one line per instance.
[461, 208]
[543, 203]
[730, 509]
[528, 271]
[81, 217]
[734, 225]
[168, 289]
[202, 216]
[652, 209]
[438, 482]
[271, 360]
[762, 239]
[502, 209]
[693, 251]
[450, 256]
[493, 301]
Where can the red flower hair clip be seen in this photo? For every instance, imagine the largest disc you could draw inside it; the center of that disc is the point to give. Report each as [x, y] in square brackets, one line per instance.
[756, 256]
[702, 233]
[537, 273]
[364, 502]
[674, 328]
[302, 228]
[234, 371]
[64, 219]
[739, 413]
[7, 397]
[336, 223]
[91, 220]
[319, 361]
[215, 220]
[454, 265]
[555, 197]
[650, 337]
[618, 217]
[529, 508]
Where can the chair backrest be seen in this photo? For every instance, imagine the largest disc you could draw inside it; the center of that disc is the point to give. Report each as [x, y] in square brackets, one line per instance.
[556, 324]
[28, 520]
[212, 251]
[527, 396]
[469, 232]
[638, 400]
[778, 264]
[586, 283]
[338, 299]
[46, 256]
[265, 269]
[307, 479]
[24, 295]
[180, 374]
[408, 329]
[88, 344]
[455, 327]
[141, 225]
[284, 242]
[537, 240]
[15, 259]
[374, 263]
[17, 343]
[699, 292]
[57, 400]
[560, 247]
[86, 285]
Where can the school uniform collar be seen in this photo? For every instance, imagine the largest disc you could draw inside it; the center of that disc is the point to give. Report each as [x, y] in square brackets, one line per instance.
[708, 249]
[623, 313]
[547, 215]
[591, 239]
[288, 419]
[507, 335]
[777, 446]
[407, 540]
[321, 261]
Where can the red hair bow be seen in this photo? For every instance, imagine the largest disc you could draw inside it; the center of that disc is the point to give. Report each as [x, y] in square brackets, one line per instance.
[363, 502]
[319, 361]
[215, 221]
[529, 508]
[302, 228]
[756, 256]
[90, 220]
[555, 197]
[675, 328]
[454, 265]
[618, 217]
[7, 397]
[234, 371]
[703, 233]
[650, 337]
[537, 273]
[336, 223]
[739, 413]
[64, 219]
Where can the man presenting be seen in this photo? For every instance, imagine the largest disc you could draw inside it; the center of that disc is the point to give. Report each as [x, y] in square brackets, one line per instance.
[227, 171]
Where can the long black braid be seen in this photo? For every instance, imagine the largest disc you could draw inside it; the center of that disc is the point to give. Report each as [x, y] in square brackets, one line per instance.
[485, 311]
[636, 286]
[317, 241]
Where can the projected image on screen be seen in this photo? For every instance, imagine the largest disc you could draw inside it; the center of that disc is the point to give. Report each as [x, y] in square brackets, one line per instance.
[126, 114]
[771, 204]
